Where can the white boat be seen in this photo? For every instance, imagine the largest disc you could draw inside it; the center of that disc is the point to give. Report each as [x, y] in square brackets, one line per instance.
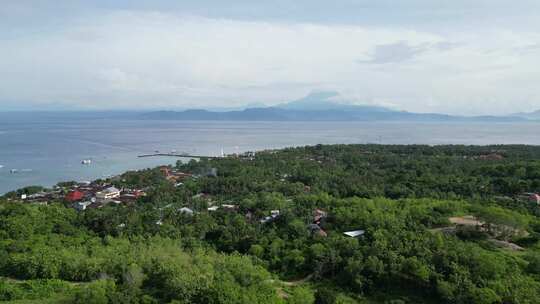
[86, 161]
[13, 171]
[1, 166]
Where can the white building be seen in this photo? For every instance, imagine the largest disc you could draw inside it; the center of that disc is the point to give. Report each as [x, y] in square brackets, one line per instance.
[186, 210]
[354, 233]
[107, 194]
[81, 206]
[213, 208]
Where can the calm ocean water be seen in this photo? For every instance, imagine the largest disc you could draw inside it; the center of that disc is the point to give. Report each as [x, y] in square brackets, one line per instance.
[48, 147]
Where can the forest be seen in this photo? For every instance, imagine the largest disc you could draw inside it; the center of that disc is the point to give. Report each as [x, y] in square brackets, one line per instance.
[325, 224]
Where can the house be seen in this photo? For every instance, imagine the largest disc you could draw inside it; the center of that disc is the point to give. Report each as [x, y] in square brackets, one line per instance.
[39, 198]
[208, 172]
[38, 195]
[530, 197]
[491, 156]
[212, 172]
[81, 206]
[534, 198]
[181, 175]
[354, 233]
[173, 175]
[229, 207]
[74, 196]
[201, 196]
[165, 170]
[315, 229]
[213, 208]
[107, 194]
[318, 216]
[266, 219]
[138, 193]
[186, 210]
[274, 214]
[131, 196]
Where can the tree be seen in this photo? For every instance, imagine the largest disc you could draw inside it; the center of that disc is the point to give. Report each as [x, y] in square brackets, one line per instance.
[301, 295]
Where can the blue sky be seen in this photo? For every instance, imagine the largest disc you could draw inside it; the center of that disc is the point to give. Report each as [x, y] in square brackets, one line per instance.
[458, 57]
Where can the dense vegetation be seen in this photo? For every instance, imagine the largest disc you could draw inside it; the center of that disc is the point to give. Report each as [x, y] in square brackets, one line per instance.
[402, 196]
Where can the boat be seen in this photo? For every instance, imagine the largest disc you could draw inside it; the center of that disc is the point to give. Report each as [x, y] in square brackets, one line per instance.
[86, 161]
[1, 166]
[20, 170]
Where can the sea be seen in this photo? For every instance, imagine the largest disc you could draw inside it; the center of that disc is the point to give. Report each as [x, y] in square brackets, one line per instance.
[48, 147]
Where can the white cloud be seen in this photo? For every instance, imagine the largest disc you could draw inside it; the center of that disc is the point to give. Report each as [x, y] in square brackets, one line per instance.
[144, 59]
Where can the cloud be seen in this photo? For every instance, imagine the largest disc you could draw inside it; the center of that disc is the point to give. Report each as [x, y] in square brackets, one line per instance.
[393, 53]
[148, 59]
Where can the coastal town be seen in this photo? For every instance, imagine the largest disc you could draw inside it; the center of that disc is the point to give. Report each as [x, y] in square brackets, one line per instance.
[87, 195]
[96, 194]
[302, 214]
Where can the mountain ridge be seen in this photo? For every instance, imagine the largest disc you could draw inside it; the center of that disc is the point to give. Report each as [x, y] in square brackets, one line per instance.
[320, 106]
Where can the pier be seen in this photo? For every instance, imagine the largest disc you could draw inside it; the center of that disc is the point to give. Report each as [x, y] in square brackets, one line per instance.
[178, 155]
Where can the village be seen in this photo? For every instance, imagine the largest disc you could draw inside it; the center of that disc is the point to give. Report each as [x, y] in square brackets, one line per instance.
[97, 194]
[87, 195]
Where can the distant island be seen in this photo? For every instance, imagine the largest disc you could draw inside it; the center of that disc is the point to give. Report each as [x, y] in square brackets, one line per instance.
[321, 106]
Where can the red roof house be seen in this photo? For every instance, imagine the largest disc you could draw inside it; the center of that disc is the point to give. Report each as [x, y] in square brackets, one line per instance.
[74, 196]
[534, 198]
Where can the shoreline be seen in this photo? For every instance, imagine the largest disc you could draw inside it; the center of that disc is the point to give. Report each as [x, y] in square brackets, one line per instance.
[161, 161]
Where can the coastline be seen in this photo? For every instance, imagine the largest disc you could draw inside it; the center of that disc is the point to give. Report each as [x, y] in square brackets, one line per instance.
[54, 148]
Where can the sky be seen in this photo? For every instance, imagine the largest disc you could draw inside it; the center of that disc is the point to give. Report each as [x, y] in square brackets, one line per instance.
[466, 57]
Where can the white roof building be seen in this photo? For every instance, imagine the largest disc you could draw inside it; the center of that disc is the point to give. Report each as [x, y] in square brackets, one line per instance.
[354, 233]
[81, 206]
[108, 194]
[213, 208]
[186, 211]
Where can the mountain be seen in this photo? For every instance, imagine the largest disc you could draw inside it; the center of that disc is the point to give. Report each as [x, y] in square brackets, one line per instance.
[530, 115]
[319, 106]
[323, 101]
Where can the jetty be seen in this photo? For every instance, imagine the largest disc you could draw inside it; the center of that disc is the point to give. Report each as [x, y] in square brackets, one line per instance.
[177, 155]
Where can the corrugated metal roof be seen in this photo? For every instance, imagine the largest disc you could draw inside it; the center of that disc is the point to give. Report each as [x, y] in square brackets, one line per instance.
[354, 233]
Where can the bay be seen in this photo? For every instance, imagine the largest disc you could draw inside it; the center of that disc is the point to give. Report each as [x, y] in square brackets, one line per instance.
[47, 148]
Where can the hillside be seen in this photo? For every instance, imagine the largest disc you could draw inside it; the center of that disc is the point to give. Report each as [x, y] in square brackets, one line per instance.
[324, 224]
